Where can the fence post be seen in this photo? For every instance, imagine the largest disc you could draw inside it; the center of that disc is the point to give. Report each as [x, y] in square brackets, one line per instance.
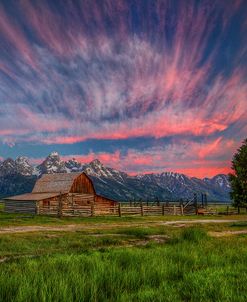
[174, 209]
[182, 210]
[227, 210]
[202, 196]
[142, 210]
[163, 210]
[195, 203]
[119, 210]
[92, 209]
[37, 208]
[60, 206]
[206, 200]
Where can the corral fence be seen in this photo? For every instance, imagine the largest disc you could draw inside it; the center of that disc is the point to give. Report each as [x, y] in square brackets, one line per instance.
[157, 208]
[142, 209]
[118, 210]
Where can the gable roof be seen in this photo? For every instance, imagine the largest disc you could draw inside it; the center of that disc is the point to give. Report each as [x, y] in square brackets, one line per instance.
[32, 196]
[52, 185]
[55, 183]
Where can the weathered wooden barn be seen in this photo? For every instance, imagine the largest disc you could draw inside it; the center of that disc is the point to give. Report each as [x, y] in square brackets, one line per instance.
[60, 194]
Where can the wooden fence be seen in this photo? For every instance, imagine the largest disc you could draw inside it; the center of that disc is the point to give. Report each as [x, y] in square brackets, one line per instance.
[118, 210]
[130, 209]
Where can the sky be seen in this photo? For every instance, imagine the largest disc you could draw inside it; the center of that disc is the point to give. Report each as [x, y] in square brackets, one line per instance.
[143, 85]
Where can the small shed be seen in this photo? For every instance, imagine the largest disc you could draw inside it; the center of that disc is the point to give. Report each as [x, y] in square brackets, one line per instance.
[68, 192]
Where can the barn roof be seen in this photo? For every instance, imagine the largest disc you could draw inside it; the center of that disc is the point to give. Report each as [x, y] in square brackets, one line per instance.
[52, 185]
[32, 196]
[55, 183]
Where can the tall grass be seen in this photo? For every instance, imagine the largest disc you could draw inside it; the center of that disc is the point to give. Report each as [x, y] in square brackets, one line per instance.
[194, 234]
[192, 268]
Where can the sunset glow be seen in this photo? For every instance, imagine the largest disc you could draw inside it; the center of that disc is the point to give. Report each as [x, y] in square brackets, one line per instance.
[144, 86]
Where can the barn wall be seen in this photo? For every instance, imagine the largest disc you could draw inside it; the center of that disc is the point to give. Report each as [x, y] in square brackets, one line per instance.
[82, 184]
[100, 200]
[15, 206]
[48, 206]
[81, 199]
[69, 202]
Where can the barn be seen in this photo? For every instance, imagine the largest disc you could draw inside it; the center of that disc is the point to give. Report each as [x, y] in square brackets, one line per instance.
[60, 194]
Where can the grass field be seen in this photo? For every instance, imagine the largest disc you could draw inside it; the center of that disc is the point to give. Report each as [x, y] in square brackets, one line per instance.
[123, 259]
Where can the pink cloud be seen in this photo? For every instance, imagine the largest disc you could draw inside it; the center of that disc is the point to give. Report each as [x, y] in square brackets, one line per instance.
[124, 85]
[190, 158]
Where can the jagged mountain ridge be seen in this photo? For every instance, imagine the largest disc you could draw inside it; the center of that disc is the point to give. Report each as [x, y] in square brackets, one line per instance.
[18, 176]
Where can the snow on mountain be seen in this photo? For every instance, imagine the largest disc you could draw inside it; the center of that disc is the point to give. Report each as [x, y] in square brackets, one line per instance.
[115, 184]
[52, 164]
[219, 181]
[7, 167]
[23, 166]
[16, 176]
[19, 166]
[73, 165]
[97, 169]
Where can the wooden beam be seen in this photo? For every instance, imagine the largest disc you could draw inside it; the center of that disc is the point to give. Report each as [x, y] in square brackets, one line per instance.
[119, 210]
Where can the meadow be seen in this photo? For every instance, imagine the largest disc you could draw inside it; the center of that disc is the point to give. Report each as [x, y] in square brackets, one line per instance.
[123, 259]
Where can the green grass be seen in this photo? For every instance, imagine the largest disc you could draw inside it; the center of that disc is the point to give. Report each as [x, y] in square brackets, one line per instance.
[142, 232]
[104, 262]
[193, 267]
[193, 234]
[7, 219]
[38, 244]
[240, 224]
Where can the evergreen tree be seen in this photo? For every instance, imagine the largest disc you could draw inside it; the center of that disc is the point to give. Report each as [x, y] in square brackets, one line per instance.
[239, 178]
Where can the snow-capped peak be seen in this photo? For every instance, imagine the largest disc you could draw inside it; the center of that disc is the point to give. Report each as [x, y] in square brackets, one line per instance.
[23, 166]
[54, 154]
[96, 163]
[19, 166]
[73, 165]
[52, 164]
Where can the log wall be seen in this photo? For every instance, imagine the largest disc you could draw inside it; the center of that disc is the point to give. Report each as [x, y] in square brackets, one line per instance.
[15, 206]
[100, 200]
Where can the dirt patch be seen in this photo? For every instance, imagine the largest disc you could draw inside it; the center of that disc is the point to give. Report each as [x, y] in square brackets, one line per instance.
[182, 222]
[108, 226]
[227, 233]
[159, 238]
[179, 225]
[64, 228]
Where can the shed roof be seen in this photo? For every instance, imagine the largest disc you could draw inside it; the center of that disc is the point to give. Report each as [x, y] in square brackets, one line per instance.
[32, 196]
[55, 183]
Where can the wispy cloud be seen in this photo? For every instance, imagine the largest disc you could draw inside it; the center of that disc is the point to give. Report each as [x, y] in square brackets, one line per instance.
[117, 70]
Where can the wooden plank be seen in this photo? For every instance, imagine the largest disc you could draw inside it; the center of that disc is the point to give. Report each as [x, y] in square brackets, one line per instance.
[119, 210]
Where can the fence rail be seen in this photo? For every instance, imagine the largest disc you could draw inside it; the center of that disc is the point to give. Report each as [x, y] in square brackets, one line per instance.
[118, 210]
[128, 209]
[133, 210]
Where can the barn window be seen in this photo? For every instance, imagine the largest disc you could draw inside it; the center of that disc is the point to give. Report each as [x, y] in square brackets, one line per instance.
[46, 203]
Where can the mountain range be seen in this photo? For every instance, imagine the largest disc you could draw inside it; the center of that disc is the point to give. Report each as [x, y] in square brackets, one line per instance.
[18, 176]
